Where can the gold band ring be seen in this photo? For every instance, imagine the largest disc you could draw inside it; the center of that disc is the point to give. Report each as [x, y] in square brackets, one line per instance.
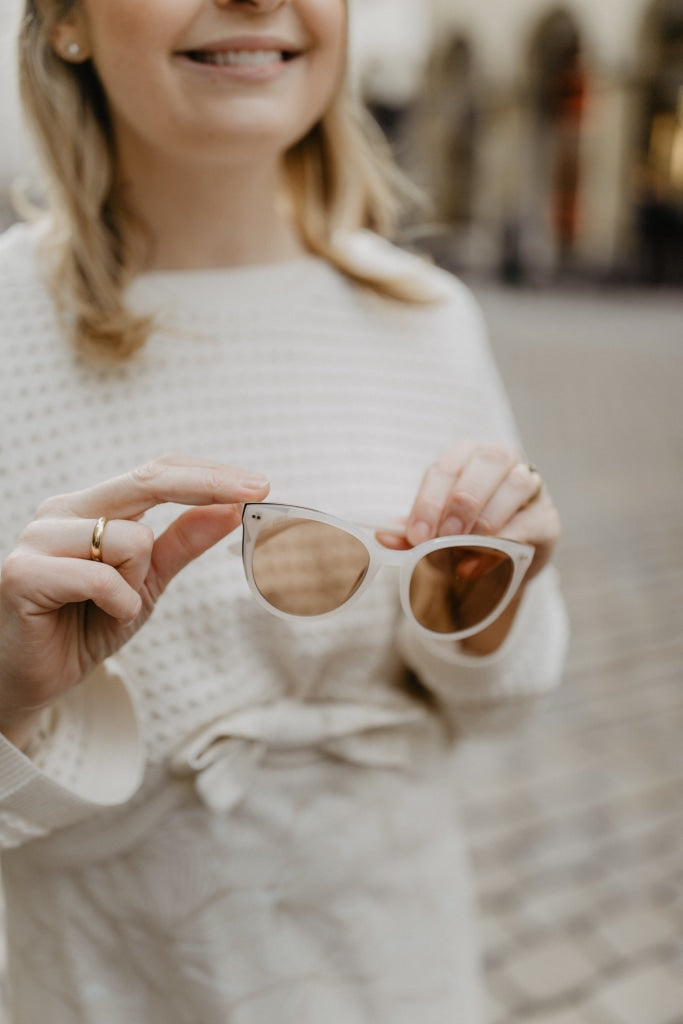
[96, 539]
[539, 485]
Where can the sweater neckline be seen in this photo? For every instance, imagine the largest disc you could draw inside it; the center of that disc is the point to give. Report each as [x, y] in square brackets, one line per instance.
[238, 270]
[207, 288]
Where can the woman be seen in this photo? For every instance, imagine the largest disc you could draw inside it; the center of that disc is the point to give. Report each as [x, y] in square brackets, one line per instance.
[209, 812]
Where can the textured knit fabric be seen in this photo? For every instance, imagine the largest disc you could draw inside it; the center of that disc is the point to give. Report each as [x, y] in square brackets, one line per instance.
[241, 818]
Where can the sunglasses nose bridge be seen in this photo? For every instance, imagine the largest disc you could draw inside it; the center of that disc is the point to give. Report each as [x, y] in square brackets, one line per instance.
[388, 556]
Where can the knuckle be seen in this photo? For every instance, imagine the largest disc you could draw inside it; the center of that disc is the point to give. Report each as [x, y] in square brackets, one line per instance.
[169, 459]
[487, 525]
[147, 472]
[497, 455]
[53, 506]
[214, 484]
[149, 538]
[451, 459]
[519, 478]
[109, 582]
[427, 510]
[141, 541]
[29, 534]
[435, 480]
[183, 540]
[20, 573]
[446, 462]
[464, 505]
[13, 571]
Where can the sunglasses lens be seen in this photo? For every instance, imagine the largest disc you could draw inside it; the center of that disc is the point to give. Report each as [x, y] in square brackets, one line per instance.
[307, 568]
[457, 588]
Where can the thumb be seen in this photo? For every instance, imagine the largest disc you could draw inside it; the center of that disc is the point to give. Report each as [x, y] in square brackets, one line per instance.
[189, 536]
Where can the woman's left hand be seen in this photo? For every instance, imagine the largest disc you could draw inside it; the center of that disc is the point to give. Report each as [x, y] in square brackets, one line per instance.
[491, 490]
[485, 489]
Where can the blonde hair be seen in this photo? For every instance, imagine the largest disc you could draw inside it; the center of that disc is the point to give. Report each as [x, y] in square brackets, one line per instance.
[340, 177]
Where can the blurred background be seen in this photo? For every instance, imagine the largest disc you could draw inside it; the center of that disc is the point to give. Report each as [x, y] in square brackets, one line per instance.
[549, 136]
[548, 140]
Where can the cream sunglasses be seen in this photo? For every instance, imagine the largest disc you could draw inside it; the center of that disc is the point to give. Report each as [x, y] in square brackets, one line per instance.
[303, 563]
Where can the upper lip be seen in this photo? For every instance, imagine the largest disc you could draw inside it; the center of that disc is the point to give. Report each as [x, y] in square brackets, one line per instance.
[253, 42]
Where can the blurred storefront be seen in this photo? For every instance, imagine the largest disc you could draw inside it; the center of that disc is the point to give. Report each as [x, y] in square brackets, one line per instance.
[549, 135]
[659, 178]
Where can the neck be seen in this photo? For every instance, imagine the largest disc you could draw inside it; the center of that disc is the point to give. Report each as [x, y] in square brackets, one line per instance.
[212, 217]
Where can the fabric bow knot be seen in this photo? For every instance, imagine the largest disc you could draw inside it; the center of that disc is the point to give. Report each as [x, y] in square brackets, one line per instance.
[224, 754]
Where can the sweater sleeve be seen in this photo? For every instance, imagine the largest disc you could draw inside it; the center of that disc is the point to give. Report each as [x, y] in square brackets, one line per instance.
[87, 758]
[479, 693]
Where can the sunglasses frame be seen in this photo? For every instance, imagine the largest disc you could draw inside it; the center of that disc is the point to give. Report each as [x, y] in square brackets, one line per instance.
[258, 515]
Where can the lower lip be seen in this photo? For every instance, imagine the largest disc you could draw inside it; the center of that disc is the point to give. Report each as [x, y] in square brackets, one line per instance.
[239, 72]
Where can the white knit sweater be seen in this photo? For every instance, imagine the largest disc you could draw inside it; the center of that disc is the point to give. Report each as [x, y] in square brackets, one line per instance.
[342, 398]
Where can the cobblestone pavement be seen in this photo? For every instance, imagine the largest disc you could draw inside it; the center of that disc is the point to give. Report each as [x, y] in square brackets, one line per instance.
[576, 823]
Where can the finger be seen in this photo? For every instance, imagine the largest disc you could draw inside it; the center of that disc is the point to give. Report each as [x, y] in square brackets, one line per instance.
[480, 478]
[43, 583]
[395, 541]
[71, 538]
[435, 488]
[539, 525]
[393, 535]
[519, 487]
[172, 478]
[193, 533]
[127, 546]
[476, 565]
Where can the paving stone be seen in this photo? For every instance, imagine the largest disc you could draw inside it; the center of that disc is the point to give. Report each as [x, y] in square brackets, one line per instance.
[582, 1014]
[553, 969]
[495, 1011]
[651, 994]
[494, 933]
[639, 930]
[504, 991]
[565, 902]
[648, 871]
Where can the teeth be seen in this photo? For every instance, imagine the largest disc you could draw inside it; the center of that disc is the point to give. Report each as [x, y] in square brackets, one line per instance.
[244, 58]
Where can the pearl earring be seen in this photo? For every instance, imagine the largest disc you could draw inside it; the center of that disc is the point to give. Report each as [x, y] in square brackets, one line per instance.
[73, 49]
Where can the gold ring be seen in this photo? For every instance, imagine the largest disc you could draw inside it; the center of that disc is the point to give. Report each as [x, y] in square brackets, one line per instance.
[96, 539]
[539, 486]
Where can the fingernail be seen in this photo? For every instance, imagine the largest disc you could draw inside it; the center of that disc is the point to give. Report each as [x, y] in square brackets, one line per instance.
[419, 532]
[452, 527]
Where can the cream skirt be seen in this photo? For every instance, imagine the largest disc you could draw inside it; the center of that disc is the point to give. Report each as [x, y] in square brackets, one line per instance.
[332, 894]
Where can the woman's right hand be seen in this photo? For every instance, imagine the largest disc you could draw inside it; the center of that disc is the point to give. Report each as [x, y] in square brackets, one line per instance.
[61, 613]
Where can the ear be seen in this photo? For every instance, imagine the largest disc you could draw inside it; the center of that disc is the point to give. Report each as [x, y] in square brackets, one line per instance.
[69, 38]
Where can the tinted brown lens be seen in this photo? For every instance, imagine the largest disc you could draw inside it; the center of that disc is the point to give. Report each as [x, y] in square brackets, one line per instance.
[457, 588]
[306, 568]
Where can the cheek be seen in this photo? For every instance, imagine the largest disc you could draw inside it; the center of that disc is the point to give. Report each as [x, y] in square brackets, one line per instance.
[337, 31]
[126, 55]
[330, 25]
[108, 20]
[125, 35]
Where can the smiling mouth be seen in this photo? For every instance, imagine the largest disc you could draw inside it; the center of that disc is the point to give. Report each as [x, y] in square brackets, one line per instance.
[240, 58]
